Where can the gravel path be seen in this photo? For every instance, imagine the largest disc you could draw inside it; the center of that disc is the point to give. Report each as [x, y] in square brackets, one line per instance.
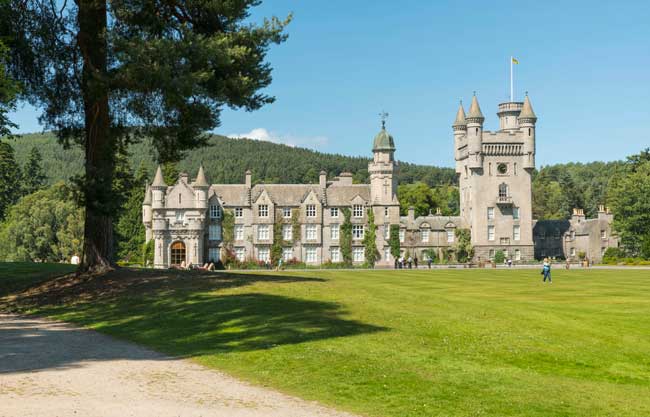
[54, 369]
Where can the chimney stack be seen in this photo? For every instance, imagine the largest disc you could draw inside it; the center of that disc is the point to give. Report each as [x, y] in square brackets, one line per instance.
[249, 178]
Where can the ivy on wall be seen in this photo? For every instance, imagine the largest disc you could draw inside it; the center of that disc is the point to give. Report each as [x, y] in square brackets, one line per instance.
[370, 241]
[346, 237]
[394, 241]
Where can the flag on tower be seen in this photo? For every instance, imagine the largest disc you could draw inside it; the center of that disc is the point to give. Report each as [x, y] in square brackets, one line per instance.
[514, 60]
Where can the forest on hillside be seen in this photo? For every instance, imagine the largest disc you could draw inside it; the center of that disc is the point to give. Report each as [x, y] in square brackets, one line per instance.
[225, 161]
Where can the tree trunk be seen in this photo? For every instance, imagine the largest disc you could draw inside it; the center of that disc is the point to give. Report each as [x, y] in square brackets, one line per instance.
[99, 143]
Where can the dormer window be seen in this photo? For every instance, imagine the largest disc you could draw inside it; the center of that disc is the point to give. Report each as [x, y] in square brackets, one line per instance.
[263, 210]
[357, 210]
[310, 210]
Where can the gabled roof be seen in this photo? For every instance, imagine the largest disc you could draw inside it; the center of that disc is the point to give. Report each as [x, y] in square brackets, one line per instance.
[231, 195]
[343, 195]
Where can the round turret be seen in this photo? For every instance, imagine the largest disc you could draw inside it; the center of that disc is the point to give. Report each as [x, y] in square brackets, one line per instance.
[383, 141]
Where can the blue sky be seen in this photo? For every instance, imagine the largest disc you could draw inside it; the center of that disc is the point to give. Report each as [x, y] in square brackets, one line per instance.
[585, 65]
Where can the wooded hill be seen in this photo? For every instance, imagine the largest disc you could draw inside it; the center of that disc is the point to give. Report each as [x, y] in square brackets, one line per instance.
[225, 161]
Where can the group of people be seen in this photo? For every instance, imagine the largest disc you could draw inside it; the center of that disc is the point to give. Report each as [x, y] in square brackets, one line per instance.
[404, 263]
[190, 266]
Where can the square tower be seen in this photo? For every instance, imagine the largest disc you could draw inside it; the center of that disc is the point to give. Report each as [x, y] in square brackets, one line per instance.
[495, 171]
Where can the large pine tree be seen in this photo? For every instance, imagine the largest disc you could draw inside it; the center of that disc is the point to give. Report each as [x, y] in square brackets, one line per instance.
[9, 178]
[107, 72]
[33, 178]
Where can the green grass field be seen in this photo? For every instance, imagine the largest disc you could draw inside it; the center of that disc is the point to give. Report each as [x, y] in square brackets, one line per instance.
[17, 276]
[400, 343]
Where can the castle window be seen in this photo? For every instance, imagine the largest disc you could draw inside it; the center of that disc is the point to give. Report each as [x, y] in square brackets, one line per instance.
[239, 212]
[491, 254]
[386, 211]
[514, 168]
[450, 236]
[287, 232]
[425, 235]
[335, 254]
[311, 210]
[263, 210]
[263, 254]
[287, 254]
[502, 168]
[490, 213]
[387, 231]
[179, 198]
[213, 255]
[489, 168]
[504, 240]
[357, 231]
[477, 130]
[503, 190]
[239, 232]
[180, 217]
[529, 131]
[516, 232]
[517, 255]
[240, 254]
[310, 254]
[490, 232]
[515, 213]
[286, 212]
[573, 252]
[358, 255]
[334, 232]
[310, 231]
[334, 212]
[214, 232]
[215, 211]
[387, 254]
[263, 232]
[603, 234]
[357, 210]
[402, 235]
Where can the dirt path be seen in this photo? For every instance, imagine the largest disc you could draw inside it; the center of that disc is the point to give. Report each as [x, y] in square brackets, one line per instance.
[55, 369]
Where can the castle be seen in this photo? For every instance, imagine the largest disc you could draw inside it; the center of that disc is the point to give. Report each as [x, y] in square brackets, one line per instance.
[494, 169]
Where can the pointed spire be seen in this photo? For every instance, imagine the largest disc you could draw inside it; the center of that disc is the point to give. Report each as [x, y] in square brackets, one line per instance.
[527, 110]
[158, 180]
[147, 197]
[201, 181]
[475, 110]
[460, 116]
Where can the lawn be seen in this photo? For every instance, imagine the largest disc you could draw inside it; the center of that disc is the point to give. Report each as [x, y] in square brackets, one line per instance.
[396, 343]
[17, 276]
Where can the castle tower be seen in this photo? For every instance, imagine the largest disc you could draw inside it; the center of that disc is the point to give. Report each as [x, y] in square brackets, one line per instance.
[383, 169]
[495, 179]
[147, 214]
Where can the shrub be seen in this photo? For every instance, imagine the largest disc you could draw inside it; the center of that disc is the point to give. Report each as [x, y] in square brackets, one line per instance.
[499, 257]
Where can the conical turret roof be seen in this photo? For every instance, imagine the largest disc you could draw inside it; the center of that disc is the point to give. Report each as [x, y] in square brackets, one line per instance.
[201, 181]
[475, 110]
[158, 180]
[527, 110]
[147, 197]
[460, 116]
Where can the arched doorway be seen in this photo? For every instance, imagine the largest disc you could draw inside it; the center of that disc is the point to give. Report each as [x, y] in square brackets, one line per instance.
[177, 253]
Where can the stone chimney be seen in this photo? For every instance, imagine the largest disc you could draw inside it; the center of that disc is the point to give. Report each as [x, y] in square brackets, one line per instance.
[345, 178]
[184, 177]
[322, 179]
[249, 178]
[438, 211]
[605, 214]
[411, 216]
[578, 215]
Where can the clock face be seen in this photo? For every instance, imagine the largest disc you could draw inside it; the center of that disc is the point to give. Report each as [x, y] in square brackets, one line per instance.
[502, 168]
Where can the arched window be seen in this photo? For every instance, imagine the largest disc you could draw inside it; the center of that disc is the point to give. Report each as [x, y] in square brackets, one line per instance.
[503, 190]
[177, 253]
[529, 131]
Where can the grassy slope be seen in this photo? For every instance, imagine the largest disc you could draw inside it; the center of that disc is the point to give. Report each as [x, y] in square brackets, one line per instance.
[18, 276]
[406, 343]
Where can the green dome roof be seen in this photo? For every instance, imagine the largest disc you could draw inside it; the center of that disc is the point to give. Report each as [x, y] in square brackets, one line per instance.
[383, 141]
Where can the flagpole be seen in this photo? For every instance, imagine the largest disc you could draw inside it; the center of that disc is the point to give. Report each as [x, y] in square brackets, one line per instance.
[512, 97]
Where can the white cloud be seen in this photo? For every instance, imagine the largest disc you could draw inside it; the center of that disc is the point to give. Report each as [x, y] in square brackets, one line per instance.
[261, 133]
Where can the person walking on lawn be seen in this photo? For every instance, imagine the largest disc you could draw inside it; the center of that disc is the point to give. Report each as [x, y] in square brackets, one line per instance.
[546, 271]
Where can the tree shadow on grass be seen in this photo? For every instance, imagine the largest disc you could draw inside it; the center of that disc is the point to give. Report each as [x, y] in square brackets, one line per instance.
[186, 317]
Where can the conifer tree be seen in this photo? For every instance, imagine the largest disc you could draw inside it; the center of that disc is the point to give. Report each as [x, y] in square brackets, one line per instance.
[9, 178]
[33, 178]
[109, 72]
